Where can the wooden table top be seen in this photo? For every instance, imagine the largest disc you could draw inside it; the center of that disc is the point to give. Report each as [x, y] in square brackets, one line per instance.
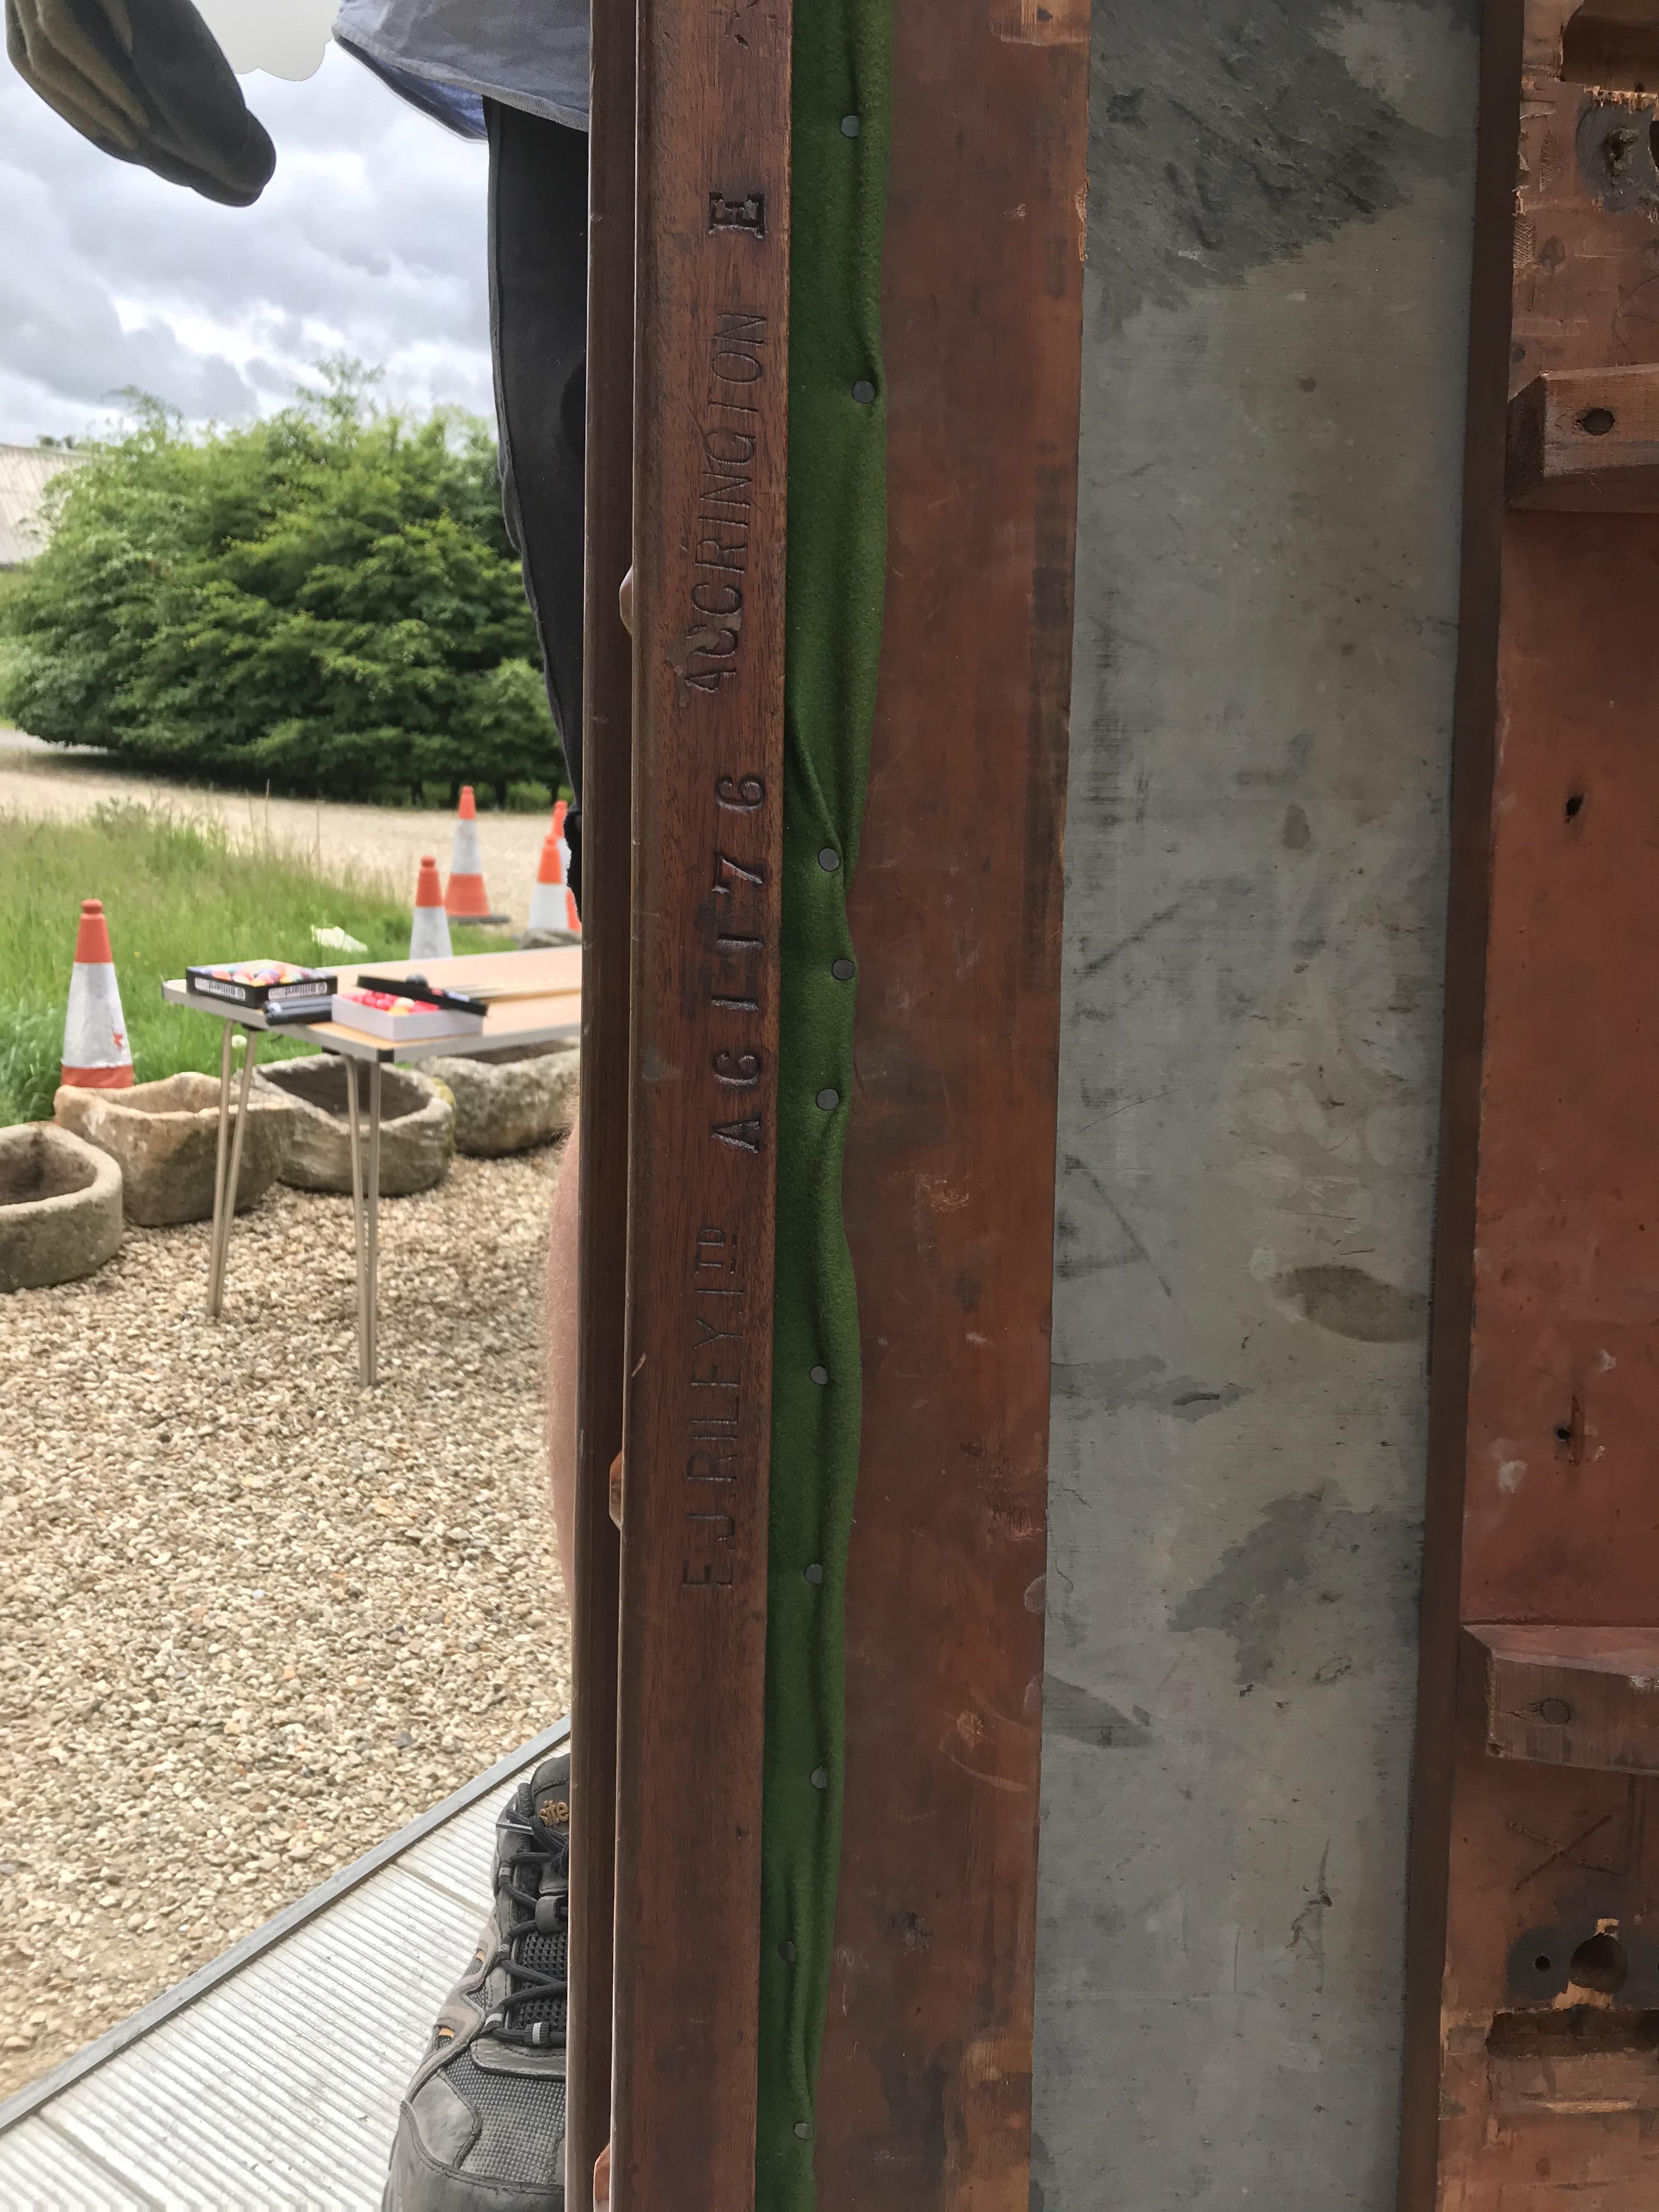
[535, 999]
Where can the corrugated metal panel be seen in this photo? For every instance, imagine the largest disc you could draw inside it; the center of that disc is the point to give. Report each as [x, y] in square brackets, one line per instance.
[282, 2086]
[460, 1856]
[278, 2090]
[40, 2173]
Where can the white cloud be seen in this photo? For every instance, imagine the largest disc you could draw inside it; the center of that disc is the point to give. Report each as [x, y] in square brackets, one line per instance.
[369, 239]
[287, 37]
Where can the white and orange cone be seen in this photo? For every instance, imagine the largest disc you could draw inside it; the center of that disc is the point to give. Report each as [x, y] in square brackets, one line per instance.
[429, 939]
[97, 1056]
[465, 898]
[551, 906]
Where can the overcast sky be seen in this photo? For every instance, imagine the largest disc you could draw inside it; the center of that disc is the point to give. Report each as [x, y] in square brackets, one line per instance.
[369, 239]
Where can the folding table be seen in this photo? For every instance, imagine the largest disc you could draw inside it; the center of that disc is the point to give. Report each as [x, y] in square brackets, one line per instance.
[535, 998]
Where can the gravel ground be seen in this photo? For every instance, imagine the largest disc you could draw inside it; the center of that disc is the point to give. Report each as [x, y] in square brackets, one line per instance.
[253, 1626]
[383, 843]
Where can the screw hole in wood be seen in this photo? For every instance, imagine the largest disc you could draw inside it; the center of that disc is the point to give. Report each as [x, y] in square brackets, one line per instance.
[1599, 1963]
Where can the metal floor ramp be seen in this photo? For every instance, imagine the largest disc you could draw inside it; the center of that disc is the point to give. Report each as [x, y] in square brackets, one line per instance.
[269, 2080]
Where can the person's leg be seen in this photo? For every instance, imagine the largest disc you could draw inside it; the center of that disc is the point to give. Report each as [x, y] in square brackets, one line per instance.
[482, 2127]
[561, 1372]
[538, 330]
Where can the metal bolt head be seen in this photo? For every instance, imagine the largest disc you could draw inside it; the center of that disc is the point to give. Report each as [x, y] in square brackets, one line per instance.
[850, 126]
[820, 1375]
[864, 392]
[842, 970]
[828, 1099]
[814, 1573]
[828, 859]
[820, 1778]
[1556, 1712]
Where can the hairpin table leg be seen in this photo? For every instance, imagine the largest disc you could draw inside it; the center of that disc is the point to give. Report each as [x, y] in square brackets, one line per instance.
[219, 1173]
[225, 1207]
[359, 1226]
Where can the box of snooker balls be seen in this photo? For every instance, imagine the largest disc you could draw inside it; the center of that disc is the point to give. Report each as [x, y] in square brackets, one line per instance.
[276, 988]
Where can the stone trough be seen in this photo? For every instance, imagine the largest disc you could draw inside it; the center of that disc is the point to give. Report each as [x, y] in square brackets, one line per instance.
[510, 1100]
[60, 1206]
[417, 1125]
[164, 1137]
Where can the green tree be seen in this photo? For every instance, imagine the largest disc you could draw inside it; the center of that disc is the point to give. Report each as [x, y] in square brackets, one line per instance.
[324, 601]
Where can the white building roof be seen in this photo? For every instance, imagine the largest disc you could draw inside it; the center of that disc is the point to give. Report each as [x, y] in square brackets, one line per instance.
[25, 472]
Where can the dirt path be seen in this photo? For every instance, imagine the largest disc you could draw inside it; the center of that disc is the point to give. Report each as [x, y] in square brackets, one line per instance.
[383, 842]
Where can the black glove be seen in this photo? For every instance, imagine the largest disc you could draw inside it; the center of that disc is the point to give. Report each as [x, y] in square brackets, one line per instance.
[145, 80]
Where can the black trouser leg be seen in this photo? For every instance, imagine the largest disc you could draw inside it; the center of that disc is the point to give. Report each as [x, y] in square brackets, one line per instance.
[539, 336]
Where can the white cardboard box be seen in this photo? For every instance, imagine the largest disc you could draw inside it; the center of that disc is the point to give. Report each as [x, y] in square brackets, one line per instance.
[402, 1028]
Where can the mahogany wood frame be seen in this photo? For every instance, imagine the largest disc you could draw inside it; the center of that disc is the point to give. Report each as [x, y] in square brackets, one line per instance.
[710, 356]
[1532, 2003]
[924, 2100]
[949, 1183]
[607, 899]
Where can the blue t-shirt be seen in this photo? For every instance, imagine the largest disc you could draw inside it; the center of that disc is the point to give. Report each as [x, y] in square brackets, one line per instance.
[449, 56]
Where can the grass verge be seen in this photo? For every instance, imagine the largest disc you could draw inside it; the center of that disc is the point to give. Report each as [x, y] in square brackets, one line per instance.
[175, 891]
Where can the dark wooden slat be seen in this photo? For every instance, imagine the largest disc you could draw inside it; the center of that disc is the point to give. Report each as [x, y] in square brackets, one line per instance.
[710, 428]
[925, 2096]
[608, 717]
[1466, 922]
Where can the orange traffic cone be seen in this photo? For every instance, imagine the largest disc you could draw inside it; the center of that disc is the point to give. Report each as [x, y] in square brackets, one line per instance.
[465, 898]
[428, 939]
[96, 1053]
[552, 910]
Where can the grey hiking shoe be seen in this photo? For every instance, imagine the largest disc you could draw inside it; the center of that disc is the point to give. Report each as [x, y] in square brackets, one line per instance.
[482, 2127]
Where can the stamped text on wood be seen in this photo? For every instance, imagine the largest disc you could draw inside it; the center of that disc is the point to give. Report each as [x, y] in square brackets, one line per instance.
[711, 388]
